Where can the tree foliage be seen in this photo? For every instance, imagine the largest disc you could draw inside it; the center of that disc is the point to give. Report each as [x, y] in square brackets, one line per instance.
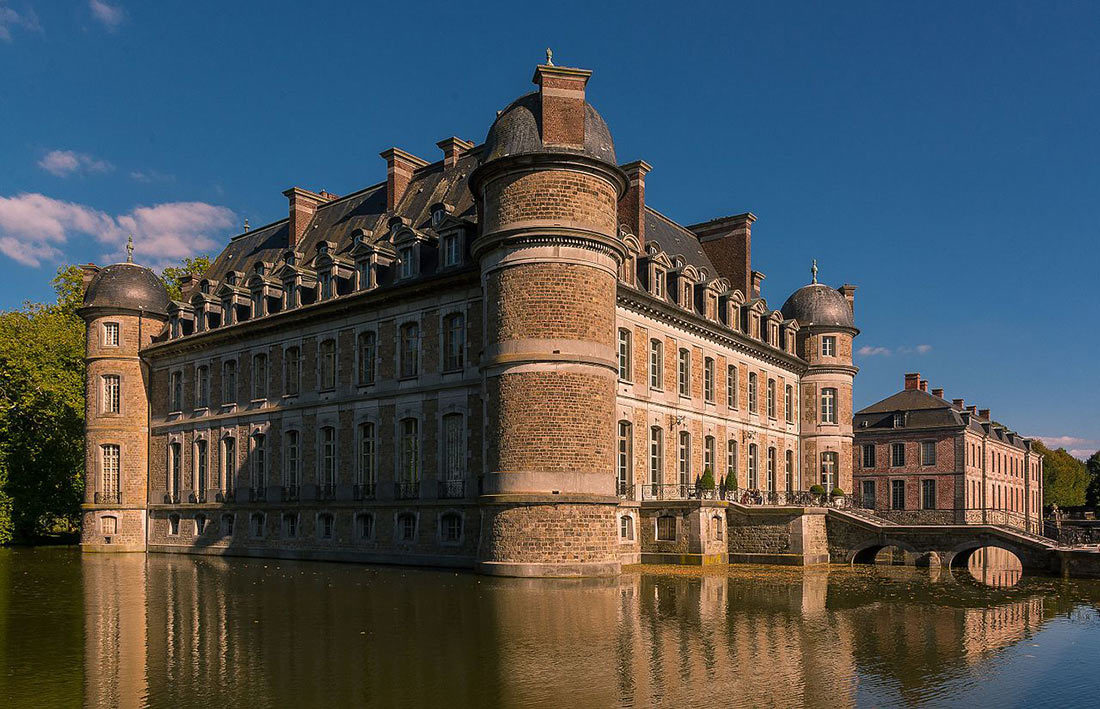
[1064, 477]
[172, 275]
[1092, 493]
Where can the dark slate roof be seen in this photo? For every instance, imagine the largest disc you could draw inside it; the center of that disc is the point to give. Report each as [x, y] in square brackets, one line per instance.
[516, 132]
[676, 240]
[336, 220]
[818, 304]
[907, 400]
[129, 286]
[922, 411]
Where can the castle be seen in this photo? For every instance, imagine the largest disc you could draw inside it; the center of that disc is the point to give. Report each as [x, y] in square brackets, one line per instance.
[505, 360]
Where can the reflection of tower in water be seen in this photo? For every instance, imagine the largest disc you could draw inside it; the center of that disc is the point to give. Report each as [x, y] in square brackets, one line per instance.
[114, 630]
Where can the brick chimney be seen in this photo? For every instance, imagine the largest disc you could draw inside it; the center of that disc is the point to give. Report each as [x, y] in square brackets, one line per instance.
[303, 205]
[924, 385]
[912, 380]
[453, 148]
[632, 205]
[972, 409]
[728, 243]
[984, 413]
[937, 392]
[849, 292]
[400, 167]
[561, 90]
[959, 404]
[757, 283]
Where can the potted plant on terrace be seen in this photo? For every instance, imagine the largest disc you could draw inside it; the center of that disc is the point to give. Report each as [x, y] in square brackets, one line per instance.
[706, 483]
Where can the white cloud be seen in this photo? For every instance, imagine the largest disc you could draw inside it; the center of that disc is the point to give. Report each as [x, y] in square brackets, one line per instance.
[874, 351]
[1081, 453]
[63, 163]
[868, 351]
[924, 349]
[110, 15]
[9, 18]
[151, 176]
[34, 228]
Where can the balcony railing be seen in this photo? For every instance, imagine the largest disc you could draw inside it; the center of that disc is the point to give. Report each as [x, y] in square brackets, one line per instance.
[452, 489]
[106, 498]
[624, 490]
[406, 490]
[326, 491]
[257, 494]
[291, 493]
[363, 491]
[171, 498]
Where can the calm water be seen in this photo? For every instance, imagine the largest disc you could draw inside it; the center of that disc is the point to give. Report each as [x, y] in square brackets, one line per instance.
[164, 631]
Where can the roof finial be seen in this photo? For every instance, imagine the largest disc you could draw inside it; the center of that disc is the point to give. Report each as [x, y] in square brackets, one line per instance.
[130, 249]
[246, 224]
[813, 271]
[549, 57]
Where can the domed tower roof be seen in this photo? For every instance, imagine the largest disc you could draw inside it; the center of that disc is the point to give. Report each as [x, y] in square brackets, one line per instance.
[819, 305]
[518, 131]
[127, 286]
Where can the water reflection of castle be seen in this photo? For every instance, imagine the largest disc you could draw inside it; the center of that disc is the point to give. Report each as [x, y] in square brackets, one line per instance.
[167, 630]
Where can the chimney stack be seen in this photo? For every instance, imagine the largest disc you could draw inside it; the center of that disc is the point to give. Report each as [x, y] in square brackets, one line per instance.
[400, 167]
[728, 243]
[849, 292]
[972, 409]
[632, 205]
[303, 205]
[924, 385]
[561, 90]
[937, 392]
[453, 148]
[757, 283]
[912, 380]
[984, 413]
[959, 404]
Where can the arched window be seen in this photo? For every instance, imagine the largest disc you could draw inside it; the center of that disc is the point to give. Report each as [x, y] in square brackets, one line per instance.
[112, 394]
[454, 342]
[292, 371]
[364, 524]
[368, 349]
[716, 527]
[257, 524]
[656, 458]
[177, 391]
[626, 528]
[292, 474]
[258, 455]
[111, 466]
[200, 524]
[173, 524]
[754, 481]
[229, 381]
[367, 472]
[228, 521]
[175, 464]
[624, 477]
[108, 526]
[771, 469]
[202, 387]
[685, 462]
[259, 376]
[290, 525]
[406, 527]
[454, 457]
[201, 460]
[450, 528]
[410, 350]
[325, 524]
[328, 364]
[828, 405]
[228, 464]
[328, 461]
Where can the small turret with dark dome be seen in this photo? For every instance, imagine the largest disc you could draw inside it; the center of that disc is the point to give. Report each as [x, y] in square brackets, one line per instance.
[127, 286]
[818, 304]
[518, 131]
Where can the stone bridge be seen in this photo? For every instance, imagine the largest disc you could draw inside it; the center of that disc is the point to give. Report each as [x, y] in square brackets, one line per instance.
[857, 538]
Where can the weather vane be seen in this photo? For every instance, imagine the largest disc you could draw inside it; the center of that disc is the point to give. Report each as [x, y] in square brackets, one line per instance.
[549, 57]
[130, 249]
[813, 271]
[246, 224]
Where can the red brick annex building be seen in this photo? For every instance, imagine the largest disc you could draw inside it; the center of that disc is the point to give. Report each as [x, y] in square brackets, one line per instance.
[505, 359]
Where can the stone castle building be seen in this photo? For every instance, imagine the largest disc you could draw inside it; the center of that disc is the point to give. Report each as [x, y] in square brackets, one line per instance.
[922, 458]
[505, 359]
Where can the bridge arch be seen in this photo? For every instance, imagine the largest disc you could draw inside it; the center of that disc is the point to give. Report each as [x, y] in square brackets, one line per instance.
[959, 557]
[866, 553]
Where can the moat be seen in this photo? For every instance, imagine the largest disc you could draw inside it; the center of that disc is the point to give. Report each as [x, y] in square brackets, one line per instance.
[165, 630]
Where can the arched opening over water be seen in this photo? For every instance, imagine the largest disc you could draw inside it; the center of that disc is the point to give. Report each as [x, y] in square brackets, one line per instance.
[888, 552]
[990, 565]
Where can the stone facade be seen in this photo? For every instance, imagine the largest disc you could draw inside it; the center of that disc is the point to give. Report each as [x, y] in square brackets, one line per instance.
[503, 360]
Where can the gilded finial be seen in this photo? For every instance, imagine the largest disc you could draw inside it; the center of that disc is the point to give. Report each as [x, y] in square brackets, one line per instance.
[549, 57]
[130, 249]
[813, 271]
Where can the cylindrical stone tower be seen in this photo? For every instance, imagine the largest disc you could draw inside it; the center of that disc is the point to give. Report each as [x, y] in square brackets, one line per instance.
[125, 305]
[547, 191]
[825, 339]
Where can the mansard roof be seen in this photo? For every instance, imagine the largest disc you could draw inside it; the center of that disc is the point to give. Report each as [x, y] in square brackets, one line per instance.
[923, 411]
[675, 240]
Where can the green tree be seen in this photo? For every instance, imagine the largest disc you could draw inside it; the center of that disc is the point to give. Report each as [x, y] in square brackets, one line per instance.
[1064, 477]
[172, 275]
[1092, 493]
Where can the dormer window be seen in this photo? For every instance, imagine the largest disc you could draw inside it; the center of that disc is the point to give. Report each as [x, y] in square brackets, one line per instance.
[407, 255]
[290, 296]
[326, 285]
[438, 215]
[686, 300]
[658, 283]
[452, 247]
[899, 420]
[257, 303]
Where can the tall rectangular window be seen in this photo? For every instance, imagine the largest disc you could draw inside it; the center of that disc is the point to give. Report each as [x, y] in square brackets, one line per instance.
[754, 471]
[293, 476]
[708, 379]
[684, 373]
[454, 341]
[828, 405]
[328, 457]
[752, 392]
[229, 381]
[897, 455]
[868, 494]
[177, 391]
[368, 347]
[771, 398]
[112, 393]
[828, 346]
[624, 354]
[623, 467]
[454, 448]
[771, 469]
[656, 364]
[292, 371]
[731, 386]
[410, 450]
[829, 463]
[658, 283]
[410, 350]
[259, 376]
[407, 258]
[708, 454]
[731, 463]
[685, 461]
[111, 466]
[175, 472]
[367, 473]
[201, 460]
[789, 470]
[452, 252]
[202, 387]
[788, 403]
[110, 334]
[258, 456]
[897, 494]
[928, 494]
[229, 463]
[328, 364]
[869, 455]
[928, 453]
[656, 456]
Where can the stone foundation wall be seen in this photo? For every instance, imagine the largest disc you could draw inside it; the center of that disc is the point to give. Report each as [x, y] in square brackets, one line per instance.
[129, 530]
[563, 534]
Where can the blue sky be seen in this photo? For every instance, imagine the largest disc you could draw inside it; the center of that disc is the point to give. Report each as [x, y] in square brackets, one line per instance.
[943, 158]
